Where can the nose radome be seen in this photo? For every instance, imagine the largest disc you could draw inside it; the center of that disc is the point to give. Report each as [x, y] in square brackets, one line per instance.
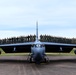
[38, 51]
[38, 56]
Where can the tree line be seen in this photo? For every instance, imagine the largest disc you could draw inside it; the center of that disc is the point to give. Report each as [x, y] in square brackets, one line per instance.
[43, 38]
[48, 38]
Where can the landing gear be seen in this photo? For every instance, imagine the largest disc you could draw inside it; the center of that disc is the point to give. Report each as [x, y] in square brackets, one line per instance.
[46, 59]
[29, 58]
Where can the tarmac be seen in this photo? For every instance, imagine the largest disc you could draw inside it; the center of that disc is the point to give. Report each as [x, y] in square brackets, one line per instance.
[18, 65]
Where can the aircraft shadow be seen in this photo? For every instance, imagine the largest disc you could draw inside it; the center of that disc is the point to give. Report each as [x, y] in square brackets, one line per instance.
[13, 61]
[63, 61]
[50, 61]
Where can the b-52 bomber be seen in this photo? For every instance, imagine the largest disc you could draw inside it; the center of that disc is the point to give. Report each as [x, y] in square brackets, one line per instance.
[37, 49]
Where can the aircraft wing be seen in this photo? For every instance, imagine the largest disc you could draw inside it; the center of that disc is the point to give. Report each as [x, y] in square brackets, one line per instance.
[17, 48]
[58, 47]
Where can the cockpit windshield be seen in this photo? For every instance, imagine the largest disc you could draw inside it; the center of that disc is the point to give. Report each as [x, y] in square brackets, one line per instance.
[37, 45]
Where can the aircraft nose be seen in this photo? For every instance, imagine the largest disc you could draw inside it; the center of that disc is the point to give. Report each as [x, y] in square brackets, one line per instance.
[38, 56]
[38, 52]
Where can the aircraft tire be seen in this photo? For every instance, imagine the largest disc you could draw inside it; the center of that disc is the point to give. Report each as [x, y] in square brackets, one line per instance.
[30, 60]
[45, 60]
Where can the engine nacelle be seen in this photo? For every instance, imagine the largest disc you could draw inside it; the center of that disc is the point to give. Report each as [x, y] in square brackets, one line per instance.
[75, 51]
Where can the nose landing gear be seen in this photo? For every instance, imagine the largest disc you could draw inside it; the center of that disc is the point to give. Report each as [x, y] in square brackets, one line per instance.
[44, 60]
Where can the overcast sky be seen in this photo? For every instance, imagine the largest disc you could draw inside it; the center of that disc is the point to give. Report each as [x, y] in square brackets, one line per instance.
[55, 17]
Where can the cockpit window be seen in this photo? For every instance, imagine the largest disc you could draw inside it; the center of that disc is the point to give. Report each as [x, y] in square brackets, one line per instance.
[37, 45]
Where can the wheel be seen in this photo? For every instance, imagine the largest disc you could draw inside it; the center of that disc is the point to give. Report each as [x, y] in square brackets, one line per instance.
[45, 60]
[30, 60]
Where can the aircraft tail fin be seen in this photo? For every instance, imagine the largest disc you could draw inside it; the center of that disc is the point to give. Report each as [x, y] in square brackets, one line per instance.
[36, 31]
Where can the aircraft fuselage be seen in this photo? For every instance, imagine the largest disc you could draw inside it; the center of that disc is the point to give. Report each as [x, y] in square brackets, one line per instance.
[38, 51]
